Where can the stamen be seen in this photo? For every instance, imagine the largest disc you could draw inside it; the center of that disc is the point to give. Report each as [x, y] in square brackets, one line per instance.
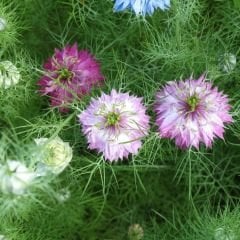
[112, 119]
[64, 74]
[193, 102]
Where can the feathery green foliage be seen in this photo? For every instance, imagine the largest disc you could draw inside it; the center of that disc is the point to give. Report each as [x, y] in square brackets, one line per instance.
[172, 193]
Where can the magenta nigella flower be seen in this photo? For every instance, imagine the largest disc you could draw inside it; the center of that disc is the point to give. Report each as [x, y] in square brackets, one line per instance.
[192, 111]
[69, 74]
[115, 124]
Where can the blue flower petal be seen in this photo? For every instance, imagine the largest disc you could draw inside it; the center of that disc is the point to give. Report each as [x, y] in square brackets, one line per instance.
[141, 7]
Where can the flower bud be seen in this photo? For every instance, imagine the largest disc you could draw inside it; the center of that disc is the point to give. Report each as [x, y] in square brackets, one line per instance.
[135, 232]
[63, 195]
[55, 157]
[9, 74]
[227, 62]
[15, 177]
[3, 24]
[223, 234]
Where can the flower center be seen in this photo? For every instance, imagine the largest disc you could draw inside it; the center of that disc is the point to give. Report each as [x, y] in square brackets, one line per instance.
[50, 155]
[64, 74]
[193, 102]
[112, 118]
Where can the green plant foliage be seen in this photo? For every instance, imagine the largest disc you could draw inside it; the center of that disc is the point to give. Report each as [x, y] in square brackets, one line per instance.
[172, 193]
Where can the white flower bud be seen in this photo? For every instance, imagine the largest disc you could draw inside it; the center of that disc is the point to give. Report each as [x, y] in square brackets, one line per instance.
[63, 195]
[15, 177]
[55, 157]
[223, 234]
[227, 62]
[135, 232]
[3, 24]
[9, 74]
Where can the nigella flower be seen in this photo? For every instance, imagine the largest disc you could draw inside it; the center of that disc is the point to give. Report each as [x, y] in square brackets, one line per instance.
[9, 74]
[55, 155]
[191, 112]
[69, 74]
[141, 7]
[15, 177]
[115, 124]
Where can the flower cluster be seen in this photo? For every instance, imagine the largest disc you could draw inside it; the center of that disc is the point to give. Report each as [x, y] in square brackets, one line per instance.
[69, 75]
[189, 114]
[191, 111]
[53, 157]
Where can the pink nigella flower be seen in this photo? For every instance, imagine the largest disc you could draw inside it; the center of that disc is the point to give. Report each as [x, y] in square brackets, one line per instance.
[115, 124]
[69, 74]
[192, 111]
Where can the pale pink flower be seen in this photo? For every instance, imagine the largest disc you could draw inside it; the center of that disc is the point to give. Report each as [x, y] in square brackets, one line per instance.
[115, 124]
[192, 112]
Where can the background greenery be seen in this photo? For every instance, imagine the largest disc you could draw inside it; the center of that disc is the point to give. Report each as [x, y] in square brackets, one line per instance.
[173, 194]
